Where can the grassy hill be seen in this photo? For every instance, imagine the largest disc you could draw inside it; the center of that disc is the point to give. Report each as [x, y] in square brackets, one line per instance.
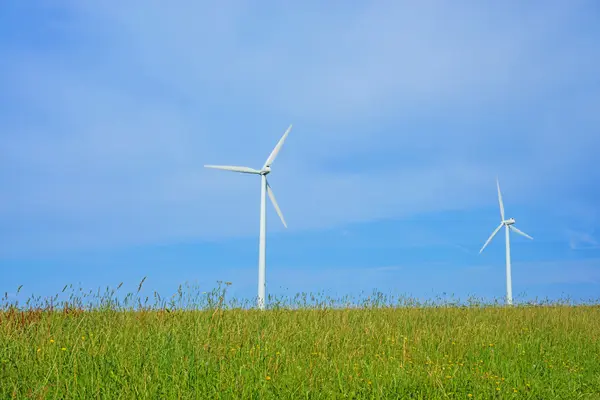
[111, 351]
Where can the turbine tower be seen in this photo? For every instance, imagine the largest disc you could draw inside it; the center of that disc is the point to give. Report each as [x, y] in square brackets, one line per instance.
[509, 226]
[265, 188]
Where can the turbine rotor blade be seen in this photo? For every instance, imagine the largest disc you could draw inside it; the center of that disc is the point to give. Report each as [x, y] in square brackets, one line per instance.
[500, 200]
[272, 197]
[491, 237]
[520, 232]
[275, 151]
[244, 170]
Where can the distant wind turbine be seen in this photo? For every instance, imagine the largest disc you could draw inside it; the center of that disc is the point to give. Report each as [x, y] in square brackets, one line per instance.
[509, 225]
[264, 188]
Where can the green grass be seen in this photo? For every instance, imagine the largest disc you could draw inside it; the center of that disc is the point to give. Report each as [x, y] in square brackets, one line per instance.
[114, 351]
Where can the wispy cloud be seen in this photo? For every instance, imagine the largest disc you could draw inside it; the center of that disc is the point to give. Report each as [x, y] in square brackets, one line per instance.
[389, 268]
[586, 271]
[582, 240]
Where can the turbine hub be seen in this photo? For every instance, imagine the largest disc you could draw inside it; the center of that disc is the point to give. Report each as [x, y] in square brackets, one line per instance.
[265, 170]
[509, 221]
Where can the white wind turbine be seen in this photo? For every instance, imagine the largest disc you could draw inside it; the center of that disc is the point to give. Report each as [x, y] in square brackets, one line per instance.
[264, 188]
[509, 226]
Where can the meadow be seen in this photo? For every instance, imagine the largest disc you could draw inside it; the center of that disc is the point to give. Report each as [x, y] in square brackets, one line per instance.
[200, 346]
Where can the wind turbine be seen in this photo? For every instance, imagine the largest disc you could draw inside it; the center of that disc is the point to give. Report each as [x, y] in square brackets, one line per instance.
[509, 226]
[264, 188]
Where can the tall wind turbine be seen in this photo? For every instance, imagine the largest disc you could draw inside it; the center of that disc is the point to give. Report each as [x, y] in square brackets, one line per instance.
[265, 188]
[509, 226]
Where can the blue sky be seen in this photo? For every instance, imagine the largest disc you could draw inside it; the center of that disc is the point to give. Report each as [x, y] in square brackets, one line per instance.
[403, 114]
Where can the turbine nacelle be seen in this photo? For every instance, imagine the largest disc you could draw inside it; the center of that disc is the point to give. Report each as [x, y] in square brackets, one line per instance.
[266, 170]
[509, 221]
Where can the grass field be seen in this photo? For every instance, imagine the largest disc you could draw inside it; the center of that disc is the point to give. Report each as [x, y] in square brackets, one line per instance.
[113, 350]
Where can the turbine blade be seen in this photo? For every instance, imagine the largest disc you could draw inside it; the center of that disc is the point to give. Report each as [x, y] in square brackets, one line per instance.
[272, 197]
[500, 200]
[520, 232]
[275, 151]
[491, 237]
[244, 170]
